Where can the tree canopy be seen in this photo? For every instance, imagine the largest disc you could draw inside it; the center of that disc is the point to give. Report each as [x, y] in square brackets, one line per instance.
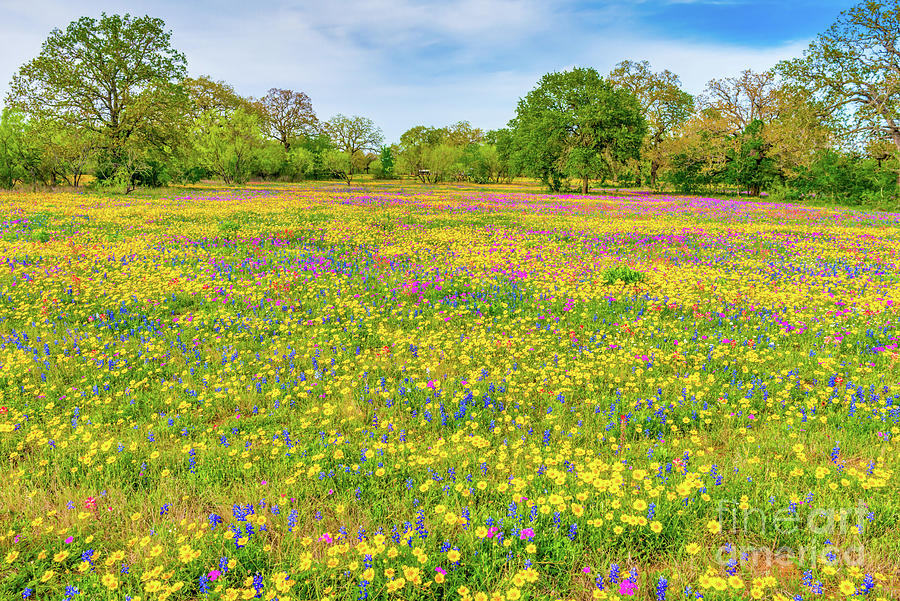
[573, 124]
[117, 76]
[110, 97]
[354, 134]
[853, 68]
[663, 103]
[288, 115]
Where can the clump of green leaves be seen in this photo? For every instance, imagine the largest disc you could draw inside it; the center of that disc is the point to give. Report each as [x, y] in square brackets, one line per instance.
[229, 228]
[623, 273]
[385, 224]
[574, 124]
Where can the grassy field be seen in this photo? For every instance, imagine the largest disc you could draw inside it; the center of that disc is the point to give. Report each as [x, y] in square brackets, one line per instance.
[399, 392]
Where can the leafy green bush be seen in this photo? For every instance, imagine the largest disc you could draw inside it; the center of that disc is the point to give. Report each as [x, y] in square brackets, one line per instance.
[785, 193]
[848, 179]
[624, 274]
[229, 228]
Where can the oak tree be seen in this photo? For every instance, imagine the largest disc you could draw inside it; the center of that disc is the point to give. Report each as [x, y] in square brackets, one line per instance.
[572, 125]
[116, 77]
[664, 104]
[853, 68]
[354, 134]
[288, 115]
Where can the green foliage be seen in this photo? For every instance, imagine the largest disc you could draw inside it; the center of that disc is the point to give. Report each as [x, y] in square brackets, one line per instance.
[313, 148]
[572, 125]
[481, 163]
[157, 173]
[270, 160]
[226, 144]
[749, 166]
[13, 148]
[115, 78]
[121, 171]
[664, 105]
[229, 228]
[339, 164]
[384, 166]
[110, 95]
[502, 140]
[848, 179]
[353, 134]
[459, 151]
[686, 173]
[441, 161]
[415, 151]
[851, 68]
[300, 163]
[624, 274]
[287, 115]
[782, 192]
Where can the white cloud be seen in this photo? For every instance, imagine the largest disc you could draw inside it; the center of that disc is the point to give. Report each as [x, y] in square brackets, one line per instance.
[400, 62]
[695, 63]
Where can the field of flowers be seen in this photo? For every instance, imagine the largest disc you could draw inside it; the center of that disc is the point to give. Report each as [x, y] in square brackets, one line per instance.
[311, 392]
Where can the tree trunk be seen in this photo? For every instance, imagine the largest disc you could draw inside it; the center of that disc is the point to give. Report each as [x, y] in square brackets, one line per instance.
[895, 135]
[654, 167]
[584, 185]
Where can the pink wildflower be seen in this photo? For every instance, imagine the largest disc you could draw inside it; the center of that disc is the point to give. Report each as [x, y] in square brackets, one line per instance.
[627, 587]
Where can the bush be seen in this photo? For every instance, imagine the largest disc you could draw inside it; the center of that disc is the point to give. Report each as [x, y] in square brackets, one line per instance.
[785, 193]
[383, 166]
[849, 179]
[624, 274]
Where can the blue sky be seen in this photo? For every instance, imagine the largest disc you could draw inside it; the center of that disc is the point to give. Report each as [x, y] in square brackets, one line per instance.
[410, 62]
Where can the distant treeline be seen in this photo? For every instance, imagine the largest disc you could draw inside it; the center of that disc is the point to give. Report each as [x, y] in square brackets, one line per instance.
[110, 98]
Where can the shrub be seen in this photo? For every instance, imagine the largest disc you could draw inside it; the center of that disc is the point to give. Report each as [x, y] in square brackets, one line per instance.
[624, 274]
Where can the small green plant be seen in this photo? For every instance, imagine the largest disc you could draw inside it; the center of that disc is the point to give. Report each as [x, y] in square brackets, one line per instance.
[385, 224]
[624, 274]
[229, 228]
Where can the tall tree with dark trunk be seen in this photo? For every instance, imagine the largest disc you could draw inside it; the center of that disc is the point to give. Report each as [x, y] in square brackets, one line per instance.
[116, 77]
[664, 104]
[352, 136]
[288, 115]
[572, 124]
[853, 68]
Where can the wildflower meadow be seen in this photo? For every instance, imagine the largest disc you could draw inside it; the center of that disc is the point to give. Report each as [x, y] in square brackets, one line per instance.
[376, 392]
